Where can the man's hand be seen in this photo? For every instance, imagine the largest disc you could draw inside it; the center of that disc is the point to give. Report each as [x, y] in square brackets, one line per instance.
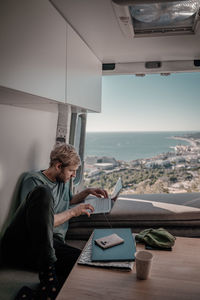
[82, 209]
[98, 192]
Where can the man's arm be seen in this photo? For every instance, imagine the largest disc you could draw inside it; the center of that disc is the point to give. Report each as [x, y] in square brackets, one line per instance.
[82, 195]
[81, 208]
[76, 211]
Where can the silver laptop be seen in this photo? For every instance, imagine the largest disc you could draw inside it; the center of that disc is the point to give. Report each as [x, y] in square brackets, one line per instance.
[104, 205]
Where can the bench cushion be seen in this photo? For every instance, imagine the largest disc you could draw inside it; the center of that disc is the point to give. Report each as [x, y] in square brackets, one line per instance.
[12, 280]
[178, 213]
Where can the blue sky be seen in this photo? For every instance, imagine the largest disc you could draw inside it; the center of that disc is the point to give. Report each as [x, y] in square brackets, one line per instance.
[150, 103]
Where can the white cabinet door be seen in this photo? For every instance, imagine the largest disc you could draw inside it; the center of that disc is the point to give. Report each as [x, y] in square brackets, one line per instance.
[84, 74]
[33, 48]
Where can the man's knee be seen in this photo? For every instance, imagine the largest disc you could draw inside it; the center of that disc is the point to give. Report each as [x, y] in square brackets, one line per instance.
[41, 195]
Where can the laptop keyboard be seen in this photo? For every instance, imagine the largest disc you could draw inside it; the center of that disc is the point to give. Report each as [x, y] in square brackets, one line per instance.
[102, 204]
[99, 204]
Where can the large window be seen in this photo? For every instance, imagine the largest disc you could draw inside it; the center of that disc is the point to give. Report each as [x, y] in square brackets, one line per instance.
[148, 133]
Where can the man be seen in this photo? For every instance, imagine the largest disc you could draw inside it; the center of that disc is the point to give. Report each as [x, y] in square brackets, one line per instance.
[36, 235]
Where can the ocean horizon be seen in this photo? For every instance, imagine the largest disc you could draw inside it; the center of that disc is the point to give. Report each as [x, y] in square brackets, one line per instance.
[132, 145]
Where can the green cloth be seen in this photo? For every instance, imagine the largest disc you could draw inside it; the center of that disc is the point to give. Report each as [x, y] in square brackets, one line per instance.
[159, 238]
[60, 191]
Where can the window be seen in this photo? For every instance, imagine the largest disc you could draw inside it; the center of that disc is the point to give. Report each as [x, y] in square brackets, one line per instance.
[148, 133]
[77, 138]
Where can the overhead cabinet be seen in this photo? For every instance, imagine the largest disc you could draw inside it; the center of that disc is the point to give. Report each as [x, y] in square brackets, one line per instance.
[84, 74]
[42, 55]
[33, 48]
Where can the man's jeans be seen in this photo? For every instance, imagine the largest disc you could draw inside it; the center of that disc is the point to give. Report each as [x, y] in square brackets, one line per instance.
[29, 240]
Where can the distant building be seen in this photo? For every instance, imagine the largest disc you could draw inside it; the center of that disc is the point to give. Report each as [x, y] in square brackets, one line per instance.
[135, 163]
[177, 159]
[104, 166]
[94, 172]
[158, 164]
[110, 160]
[182, 148]
[93, 160]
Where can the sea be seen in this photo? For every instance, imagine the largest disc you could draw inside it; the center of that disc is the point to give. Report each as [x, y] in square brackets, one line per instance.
[128, 146]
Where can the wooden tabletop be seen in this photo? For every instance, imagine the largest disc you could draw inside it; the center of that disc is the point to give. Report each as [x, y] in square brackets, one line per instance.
[175, 275]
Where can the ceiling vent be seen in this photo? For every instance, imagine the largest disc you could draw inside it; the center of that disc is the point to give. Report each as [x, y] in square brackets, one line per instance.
[140, 18]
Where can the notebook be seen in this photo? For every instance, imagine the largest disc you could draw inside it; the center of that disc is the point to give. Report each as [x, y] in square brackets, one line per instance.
[104, 205]
[86, 254]
[122, 252]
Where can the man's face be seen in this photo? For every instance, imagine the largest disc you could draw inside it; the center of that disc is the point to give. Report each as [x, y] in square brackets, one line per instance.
[66, 173]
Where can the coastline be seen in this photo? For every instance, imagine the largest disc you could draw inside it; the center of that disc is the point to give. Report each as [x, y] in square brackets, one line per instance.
[128, 146]
[170, 172]
[189, 140]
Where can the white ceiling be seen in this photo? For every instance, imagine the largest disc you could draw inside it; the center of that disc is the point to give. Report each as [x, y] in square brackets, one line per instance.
[96, 23]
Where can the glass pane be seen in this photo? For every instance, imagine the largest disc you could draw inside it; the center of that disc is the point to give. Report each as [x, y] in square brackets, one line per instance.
[166, 16]
[148, 134]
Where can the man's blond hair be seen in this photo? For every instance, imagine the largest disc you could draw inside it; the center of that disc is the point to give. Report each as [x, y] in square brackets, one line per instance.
[66, 154]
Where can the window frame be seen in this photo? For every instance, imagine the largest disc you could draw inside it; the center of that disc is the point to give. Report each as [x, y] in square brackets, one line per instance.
[77, 139]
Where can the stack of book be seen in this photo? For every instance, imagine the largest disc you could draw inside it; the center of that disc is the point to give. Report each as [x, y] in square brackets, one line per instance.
[120, 256]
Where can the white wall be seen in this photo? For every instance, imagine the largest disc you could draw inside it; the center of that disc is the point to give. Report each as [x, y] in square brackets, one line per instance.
[26, 139]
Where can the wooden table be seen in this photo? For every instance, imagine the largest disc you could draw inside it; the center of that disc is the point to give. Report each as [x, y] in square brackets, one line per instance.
[174, 275]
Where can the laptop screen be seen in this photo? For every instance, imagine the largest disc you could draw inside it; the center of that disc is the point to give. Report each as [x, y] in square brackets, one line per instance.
[117, 188]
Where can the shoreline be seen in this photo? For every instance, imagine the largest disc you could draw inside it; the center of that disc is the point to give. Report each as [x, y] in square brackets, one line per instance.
[171, 172]
[191, 142]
